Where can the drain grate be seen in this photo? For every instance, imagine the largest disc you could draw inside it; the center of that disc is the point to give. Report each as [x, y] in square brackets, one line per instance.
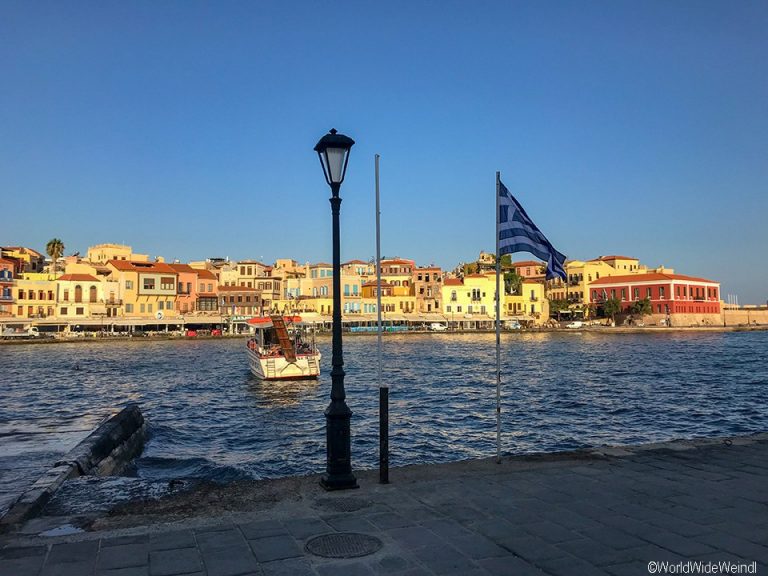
[343, 545]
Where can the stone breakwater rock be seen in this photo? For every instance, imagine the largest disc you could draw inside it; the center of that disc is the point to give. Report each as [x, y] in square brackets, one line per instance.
[106, 450]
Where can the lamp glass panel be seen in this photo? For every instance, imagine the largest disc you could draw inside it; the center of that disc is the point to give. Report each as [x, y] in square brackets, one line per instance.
[335, 160]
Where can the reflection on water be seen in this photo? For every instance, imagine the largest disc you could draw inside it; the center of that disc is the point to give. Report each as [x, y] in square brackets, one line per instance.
[282, 392]
[211, 418]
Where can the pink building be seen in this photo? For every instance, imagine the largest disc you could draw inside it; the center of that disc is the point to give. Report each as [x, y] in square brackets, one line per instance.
[186, 290]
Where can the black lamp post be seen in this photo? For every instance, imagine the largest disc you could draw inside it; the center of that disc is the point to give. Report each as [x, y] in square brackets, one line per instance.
[333, 150]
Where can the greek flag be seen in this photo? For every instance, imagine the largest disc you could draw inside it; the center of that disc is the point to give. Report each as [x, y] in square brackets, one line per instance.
[518, 233]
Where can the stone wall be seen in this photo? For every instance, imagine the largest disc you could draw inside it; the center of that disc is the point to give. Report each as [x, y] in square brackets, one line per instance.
[745, 316]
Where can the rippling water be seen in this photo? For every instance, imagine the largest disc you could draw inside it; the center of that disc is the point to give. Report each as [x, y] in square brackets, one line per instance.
[210, 418]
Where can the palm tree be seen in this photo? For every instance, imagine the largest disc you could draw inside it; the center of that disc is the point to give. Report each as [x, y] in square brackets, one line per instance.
[54, 249]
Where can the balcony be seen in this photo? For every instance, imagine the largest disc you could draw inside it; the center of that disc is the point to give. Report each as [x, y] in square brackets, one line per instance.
[6, 298]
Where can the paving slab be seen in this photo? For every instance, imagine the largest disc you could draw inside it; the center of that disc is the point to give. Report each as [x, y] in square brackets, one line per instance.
[611, 514]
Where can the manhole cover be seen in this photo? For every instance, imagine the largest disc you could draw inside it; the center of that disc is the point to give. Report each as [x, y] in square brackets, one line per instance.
[342, 504]
[343, 545]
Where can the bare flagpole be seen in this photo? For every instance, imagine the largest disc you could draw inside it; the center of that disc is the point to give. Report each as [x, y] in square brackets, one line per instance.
[498, 329]
[383, 390]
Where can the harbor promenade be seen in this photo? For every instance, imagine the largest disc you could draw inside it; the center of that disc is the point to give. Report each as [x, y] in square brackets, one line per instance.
[621, 511]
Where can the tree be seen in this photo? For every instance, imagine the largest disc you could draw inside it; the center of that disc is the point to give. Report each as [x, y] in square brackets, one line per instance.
[611, 307]
[642, 307]
[513, 282]
[55, 250]
[557, 306]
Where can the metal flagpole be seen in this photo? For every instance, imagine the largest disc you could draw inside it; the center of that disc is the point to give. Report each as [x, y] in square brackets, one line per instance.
[383, 390]
[498, 329]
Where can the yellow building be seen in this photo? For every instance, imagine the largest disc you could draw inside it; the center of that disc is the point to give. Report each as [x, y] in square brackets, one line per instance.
[398, 274]
[148, 289]
[86, 296]
[473, 295]
[31, 260]
[103, 253]
[34, 298]
[531, 304]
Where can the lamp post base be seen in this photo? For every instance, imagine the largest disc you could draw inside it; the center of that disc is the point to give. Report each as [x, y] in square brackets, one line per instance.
[338, 474]
[347, 482]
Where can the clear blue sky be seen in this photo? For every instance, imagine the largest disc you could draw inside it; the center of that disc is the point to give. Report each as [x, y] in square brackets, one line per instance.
[186, 128]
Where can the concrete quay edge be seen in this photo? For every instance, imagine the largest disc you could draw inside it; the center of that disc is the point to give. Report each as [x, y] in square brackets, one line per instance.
[106, 450]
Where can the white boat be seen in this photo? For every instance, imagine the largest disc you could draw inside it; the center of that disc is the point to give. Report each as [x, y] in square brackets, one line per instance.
[281, 351]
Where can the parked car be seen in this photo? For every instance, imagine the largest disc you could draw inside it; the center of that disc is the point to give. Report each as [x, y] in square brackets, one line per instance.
[575, 324]
[512, 325]
[438, 327]
[216, 332]
[191, 333]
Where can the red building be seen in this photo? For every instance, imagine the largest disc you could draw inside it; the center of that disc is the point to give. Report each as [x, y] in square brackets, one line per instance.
[530, 269]
[671, 295]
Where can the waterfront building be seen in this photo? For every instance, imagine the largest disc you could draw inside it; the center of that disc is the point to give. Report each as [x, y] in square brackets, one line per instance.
[531, 304]
[148, 289]
[530, 270]
[103, 253]
[207, 292]
[186, 288]
[34, 298]
[675, 299]
[254, 274]
[27, 260]
[7, 275]
[81, 296]
[469, 296]
[398, 274]
[239, 302]
[428, 286]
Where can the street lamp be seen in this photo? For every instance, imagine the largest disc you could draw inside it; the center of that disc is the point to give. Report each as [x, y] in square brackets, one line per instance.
[333, 150]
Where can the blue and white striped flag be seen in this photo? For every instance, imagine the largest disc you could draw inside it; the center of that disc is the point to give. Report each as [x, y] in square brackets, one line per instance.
[518, 233]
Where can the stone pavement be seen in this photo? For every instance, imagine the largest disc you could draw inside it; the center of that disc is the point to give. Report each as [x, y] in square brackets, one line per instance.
[608, 512]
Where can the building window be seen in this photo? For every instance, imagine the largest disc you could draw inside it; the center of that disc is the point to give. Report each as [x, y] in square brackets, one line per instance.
[648, 293]
[661, 292]
[129, 284]
[128, 308]
[169, 305]
[161, 305]
[167, 283]
[637, 293]
[149, 308]
[210, 287]
[149, 284]
[142, 308]
[79, 311]
[458, 308]
[64, 311]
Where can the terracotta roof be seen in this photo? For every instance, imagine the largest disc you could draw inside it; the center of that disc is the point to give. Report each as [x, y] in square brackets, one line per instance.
[354, 262]
[130, 266]
[205, 274]
[528, 263]
[237, 289]
[77, 278]
[183, 268]
[453, 282]
[651, 277]
[21, 249]
[397, 260]
[321, 265]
